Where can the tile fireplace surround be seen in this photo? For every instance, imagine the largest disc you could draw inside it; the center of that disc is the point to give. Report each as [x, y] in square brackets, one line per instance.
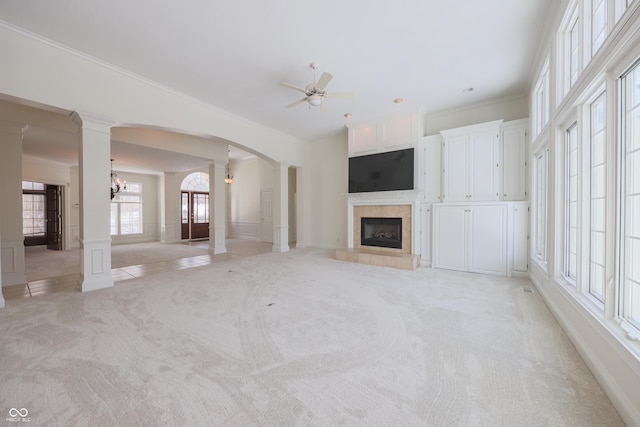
[388, 204]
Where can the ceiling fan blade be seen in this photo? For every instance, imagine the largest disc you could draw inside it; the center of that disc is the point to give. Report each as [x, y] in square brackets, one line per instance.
[339, 95]
[325, 78]
[290, 86]
[293, 104]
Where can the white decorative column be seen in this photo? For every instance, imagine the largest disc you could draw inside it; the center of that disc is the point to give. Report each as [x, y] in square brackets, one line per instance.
[280, 208]
[170, 205]
[94, 153]
[217, 203]
[12, 242]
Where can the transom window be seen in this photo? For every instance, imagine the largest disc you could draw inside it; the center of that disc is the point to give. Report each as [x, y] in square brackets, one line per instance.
[197, 181]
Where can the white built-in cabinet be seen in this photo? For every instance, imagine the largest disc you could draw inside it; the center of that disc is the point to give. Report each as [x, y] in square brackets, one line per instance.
[519, 219]
[430, 169]
[425, 234]
[471, 163]
[514, 159]
[393, 132]
[474, 214]
[470, 237]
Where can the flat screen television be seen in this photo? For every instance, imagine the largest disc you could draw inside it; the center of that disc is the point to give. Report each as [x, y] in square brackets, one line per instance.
[389, 171]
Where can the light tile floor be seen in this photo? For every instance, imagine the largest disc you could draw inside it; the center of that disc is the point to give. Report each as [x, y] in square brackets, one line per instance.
[70, 282]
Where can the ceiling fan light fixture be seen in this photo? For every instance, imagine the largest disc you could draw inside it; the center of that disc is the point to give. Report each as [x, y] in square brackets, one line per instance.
[315, 100]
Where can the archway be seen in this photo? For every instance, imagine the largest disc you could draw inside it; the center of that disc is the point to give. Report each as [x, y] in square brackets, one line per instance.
[195, 206]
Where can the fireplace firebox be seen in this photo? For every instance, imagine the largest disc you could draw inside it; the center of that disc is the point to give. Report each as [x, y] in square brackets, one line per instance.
[381, 232]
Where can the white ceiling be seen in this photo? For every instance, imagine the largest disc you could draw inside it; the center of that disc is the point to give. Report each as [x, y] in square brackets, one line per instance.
[234, 54]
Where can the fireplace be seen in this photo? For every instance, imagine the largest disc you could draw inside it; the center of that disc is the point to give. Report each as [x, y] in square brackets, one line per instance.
[381, 232]
[397, 239]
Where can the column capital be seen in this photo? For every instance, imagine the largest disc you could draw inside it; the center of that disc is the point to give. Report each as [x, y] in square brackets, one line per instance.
[92, 122]
[13, 127]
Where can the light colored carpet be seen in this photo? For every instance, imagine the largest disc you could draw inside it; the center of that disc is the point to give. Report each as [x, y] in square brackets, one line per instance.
[296, 339]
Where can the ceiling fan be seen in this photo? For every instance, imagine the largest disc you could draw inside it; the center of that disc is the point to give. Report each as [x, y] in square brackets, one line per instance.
[314, 92]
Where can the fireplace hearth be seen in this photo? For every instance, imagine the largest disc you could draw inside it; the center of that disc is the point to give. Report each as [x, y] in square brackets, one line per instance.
[381, 232]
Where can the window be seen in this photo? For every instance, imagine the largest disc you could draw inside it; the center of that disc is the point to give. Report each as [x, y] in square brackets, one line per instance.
[569, 45]
[541, 215]
[598, 24]
[630, 196]
[574, 45]
[541, 101]
[571, 204]
[200, 208]
[197, 181]
[126, 211]
[597, 198]
[620, 7]
[33, 209]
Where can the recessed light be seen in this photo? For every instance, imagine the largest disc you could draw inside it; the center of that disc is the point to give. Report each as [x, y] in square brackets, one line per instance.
[348, 115]
[398, 100]
[467, 90]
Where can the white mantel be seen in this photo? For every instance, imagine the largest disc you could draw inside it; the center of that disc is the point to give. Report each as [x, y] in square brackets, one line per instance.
[405, 197]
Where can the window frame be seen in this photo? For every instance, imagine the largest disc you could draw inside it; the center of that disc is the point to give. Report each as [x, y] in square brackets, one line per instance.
[121, 203]
[624, 309]
[540, 220]
[571, 206]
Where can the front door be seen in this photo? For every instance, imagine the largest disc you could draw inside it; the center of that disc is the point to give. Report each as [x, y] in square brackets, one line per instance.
[195, 215]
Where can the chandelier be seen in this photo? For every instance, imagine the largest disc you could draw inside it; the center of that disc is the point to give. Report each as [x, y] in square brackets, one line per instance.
[115, 183]
[229, 178]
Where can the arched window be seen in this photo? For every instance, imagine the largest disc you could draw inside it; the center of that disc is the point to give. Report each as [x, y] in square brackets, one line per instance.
[197, 181]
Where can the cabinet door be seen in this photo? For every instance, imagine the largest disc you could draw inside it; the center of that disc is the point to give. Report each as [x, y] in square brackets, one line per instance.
[488, 239]
[454, 173]
[363, 139]
[450, 237]
[425, 255]
[398, 132]
[432, 172]
[483, 166]
[520, 237]
[514, 161]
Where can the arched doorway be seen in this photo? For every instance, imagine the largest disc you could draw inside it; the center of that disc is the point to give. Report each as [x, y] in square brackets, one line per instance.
[195, 206]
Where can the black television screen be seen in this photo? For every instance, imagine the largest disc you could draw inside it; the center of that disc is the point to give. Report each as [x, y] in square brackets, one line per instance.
[381, 172]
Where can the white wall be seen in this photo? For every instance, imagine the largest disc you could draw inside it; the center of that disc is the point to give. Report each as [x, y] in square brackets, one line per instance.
[326, 193]
[56, 79]
[243, 198]
[43, 73]
[41, 170]
[507, 109]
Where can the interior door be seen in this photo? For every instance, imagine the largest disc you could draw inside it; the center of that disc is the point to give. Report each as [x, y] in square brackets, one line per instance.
[266, 216]
[54, 222]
